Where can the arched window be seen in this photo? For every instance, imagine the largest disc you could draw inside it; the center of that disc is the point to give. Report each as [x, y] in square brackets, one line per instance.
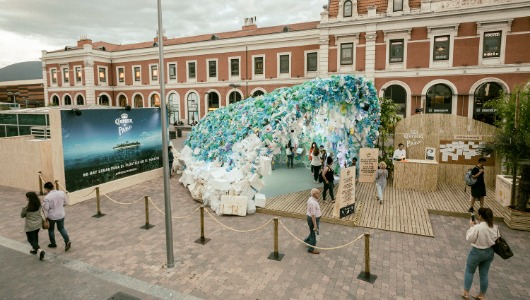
[234, 97]
[439, 99]
[347, 8]
[80, 100]
[122, 100]
[104, 100]
[155, 100]
[193, 108]
[174, 108]
[257, 93]
[213, 101]
[398, 94]
[138, 101]
[55, 100]
[67, 100]
[484, 93]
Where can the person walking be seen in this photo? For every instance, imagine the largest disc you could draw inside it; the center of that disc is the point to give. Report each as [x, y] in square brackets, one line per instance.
[315, 164]
[290, 154]
[32, 212]
[171, 158]
[380, 180]
[329, 179]
[313, 220]
[54, 204]
[482, 236]
[354, 164]
[478, 190]
[311, 150]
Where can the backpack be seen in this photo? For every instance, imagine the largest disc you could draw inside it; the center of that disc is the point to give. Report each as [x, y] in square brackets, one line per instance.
[468, 179]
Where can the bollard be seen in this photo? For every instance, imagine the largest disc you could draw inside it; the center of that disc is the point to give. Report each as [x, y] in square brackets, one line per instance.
[147, 226]
[276, 255]
[40, 184]
[98, 214]
[202, 240]
[57, 184]
[366, 275]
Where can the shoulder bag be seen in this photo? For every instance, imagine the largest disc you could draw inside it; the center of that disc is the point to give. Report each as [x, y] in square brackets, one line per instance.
[45, 223]
[501, 247]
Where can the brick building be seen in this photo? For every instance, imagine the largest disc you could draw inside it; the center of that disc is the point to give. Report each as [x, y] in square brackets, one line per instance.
[431, 56]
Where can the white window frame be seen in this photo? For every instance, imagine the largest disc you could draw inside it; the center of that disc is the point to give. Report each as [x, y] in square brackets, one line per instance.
[208, 78]
[347, 40]
[65, 71]
[118, 75]
[282, 75]
[504, 27]
[390, 8]
[188, 79]
[139, 82]
[80, 82]
[106, 70]
[354, 13]
[254, 75]
[151, 80]
[52, 70]
[232, 77]
[168, 72]
[306, 72]
[451, 31]
[397, 35]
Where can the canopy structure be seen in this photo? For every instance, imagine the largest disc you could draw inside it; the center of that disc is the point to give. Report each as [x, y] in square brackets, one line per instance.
[342, 113]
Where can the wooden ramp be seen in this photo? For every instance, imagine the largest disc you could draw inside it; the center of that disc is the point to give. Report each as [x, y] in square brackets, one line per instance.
[403, 210]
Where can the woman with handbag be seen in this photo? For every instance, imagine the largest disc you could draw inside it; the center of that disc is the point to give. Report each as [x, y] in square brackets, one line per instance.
[482, 236]
[34, 216]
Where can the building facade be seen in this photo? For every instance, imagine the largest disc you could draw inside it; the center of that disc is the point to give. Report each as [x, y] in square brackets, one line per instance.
[429, 56]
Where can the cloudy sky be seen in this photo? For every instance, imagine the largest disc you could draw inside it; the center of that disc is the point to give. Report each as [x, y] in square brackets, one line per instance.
[29, 26]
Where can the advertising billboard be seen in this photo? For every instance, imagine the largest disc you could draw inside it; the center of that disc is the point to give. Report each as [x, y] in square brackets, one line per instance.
[102, 145]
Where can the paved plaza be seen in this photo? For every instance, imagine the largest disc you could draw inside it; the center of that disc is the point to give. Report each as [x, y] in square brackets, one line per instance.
[112, 254]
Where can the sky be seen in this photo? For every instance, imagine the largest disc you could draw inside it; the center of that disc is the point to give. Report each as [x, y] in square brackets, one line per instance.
[29, 26]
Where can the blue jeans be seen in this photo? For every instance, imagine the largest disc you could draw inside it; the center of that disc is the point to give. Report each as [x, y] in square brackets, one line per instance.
[60, 227]
[311, 239]
[482, 259]
[380, 190]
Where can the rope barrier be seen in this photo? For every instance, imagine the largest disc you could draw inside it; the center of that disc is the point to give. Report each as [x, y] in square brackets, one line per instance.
[43, 180]
[183, 217]
[237, 230]
[123, 203]
[321, 248]
[69, 195]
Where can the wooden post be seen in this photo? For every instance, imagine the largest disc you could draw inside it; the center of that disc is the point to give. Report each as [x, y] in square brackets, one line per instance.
[276, 255]
[147, 226]
[366, 275]
[202, 240]
[57, 184]
[98, 214]
[40, 184]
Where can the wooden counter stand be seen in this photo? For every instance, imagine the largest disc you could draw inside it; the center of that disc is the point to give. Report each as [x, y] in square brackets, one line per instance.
[415, 174]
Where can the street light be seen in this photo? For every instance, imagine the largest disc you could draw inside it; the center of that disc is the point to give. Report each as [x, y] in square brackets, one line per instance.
[14, 96]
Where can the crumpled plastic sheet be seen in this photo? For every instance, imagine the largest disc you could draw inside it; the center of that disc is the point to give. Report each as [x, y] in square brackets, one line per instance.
[341, 112]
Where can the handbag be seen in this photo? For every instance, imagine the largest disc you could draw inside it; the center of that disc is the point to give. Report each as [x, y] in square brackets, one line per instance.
[45, 223]
[501, 247]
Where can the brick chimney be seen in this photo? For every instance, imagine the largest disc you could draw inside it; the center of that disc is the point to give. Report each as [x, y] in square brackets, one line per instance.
[84, 40]
[250, 24]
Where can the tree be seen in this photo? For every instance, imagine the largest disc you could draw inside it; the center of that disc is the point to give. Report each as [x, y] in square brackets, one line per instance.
[512, 141]
[389, 118]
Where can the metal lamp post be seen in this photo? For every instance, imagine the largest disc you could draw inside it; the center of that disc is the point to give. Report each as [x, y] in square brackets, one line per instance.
[15, 94]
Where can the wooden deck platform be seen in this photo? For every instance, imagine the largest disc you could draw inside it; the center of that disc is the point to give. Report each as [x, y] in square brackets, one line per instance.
[403, 210]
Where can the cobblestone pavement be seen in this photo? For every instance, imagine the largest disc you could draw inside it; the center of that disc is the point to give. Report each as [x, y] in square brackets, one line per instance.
[234, 265]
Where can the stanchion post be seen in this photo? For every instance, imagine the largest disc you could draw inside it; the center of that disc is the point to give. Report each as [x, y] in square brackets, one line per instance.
[276, 255]
[98, 214]
[366, 275]
[40, 183]
[147, 226]
[202, 240]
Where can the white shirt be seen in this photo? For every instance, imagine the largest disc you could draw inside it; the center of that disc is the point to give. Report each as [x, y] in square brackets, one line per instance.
[54, 204]
[313, 208]
[400, 154]
[315, 161]
[482, 236]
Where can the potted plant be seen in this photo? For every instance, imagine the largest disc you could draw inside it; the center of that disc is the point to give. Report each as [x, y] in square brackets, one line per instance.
[512, 143]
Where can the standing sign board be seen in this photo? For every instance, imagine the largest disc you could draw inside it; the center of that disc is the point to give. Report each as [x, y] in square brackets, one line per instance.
[345, 201]
[368, 164]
